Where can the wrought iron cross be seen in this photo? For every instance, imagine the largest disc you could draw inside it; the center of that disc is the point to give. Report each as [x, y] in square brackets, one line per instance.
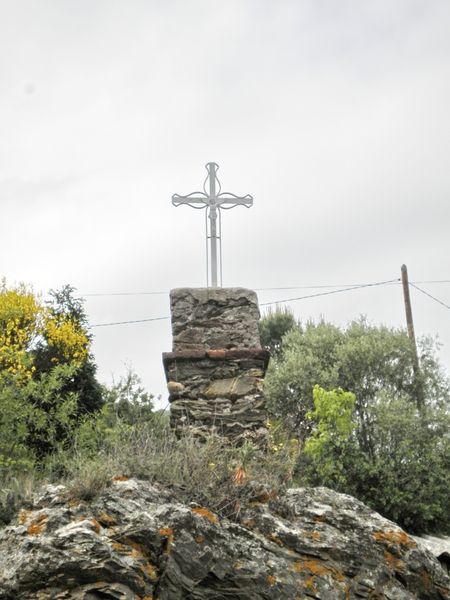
[213, 201]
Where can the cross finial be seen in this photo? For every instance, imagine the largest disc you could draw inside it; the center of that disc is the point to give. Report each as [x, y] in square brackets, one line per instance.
[213, 200]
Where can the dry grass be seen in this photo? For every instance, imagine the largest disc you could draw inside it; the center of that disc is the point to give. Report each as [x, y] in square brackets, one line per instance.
[16, 490]
[212, 473]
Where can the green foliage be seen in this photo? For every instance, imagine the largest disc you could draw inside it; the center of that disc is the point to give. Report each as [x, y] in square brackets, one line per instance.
[126, 404]
[15, 414]
[70, 328]
[129, 399]
[391, 450]
[407, 475]
[53, 414]
[47, 376]
[274, 326]
[332, 414]
[363, 359]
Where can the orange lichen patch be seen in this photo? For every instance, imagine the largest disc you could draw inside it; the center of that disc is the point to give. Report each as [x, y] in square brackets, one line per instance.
[275, 539]
[24, 516]
[95, 525]
[309, 584]
[425, 577]
[271, 580]
[73, 502]
[106, 520]
[238, 565]
[132, 548]
[120, 478]
[312, 535]
[392, 538]
[444, 592]
[167, 532]
[207, 514]
[315, 568]
[263, 497]
[297, 567]
[38, 526]
[395, 564]
[137, 549]
[249, 523]
[122, 548]
[200, 539]
[150, 571]
[319, 518]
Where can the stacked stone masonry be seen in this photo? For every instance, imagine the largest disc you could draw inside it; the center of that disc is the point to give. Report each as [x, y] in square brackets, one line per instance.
[216, 369]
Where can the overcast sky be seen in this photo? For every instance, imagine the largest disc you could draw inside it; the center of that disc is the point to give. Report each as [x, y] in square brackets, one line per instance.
[334, 115]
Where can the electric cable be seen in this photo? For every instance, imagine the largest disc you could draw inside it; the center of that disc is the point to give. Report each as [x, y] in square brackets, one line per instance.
[429, 295]
[128, 322]
[357, 287]
[348, 289]
[261, 289]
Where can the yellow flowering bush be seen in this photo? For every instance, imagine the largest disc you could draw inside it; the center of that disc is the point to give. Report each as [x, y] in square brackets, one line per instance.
[20, 316]
[26, 324]
[67, 340]
[47, 376]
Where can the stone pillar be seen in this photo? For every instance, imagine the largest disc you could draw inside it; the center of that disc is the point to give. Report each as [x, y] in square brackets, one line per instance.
[216, 368]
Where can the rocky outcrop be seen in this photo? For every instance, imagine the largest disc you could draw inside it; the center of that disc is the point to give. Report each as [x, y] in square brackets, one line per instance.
[135, 541]
[438, 546]
[216, 369]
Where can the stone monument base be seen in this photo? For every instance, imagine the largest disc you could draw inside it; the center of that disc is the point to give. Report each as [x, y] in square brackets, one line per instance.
[218, 391]
[216, 370]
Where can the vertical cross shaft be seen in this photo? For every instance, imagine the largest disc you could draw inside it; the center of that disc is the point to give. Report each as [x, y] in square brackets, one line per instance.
[213, 220]
[213, 202]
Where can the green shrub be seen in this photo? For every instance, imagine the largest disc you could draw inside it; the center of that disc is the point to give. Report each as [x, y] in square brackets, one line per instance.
[406, 475]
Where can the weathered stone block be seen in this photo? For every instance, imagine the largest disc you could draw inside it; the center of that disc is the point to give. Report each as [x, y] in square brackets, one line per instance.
[218, 318]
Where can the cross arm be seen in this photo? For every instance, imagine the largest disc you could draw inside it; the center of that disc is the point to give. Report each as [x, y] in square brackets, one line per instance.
[232, 200]
[190, 199]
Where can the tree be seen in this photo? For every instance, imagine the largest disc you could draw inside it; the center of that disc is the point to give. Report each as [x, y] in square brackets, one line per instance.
[47, 376]
[364, 359]
[67, 340]
[333, 411]
[128, 408]
[407, 475]
[273, 327]
[389, 450]
[129, 400]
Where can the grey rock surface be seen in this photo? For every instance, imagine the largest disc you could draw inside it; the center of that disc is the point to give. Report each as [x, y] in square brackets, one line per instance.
[136, 542]
[204, 318]
[439, 546]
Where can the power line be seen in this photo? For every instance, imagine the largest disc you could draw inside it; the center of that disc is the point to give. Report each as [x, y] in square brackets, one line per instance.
[347, 289]
[261, 289]
[123, 294]
[128, 322]
[434, 281]
[429, 295]
[357, 287]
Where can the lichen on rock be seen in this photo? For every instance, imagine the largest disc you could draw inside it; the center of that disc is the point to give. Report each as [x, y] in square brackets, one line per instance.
[136, 541]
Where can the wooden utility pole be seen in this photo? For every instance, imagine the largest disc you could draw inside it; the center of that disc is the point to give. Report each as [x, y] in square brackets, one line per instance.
[412, 337]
